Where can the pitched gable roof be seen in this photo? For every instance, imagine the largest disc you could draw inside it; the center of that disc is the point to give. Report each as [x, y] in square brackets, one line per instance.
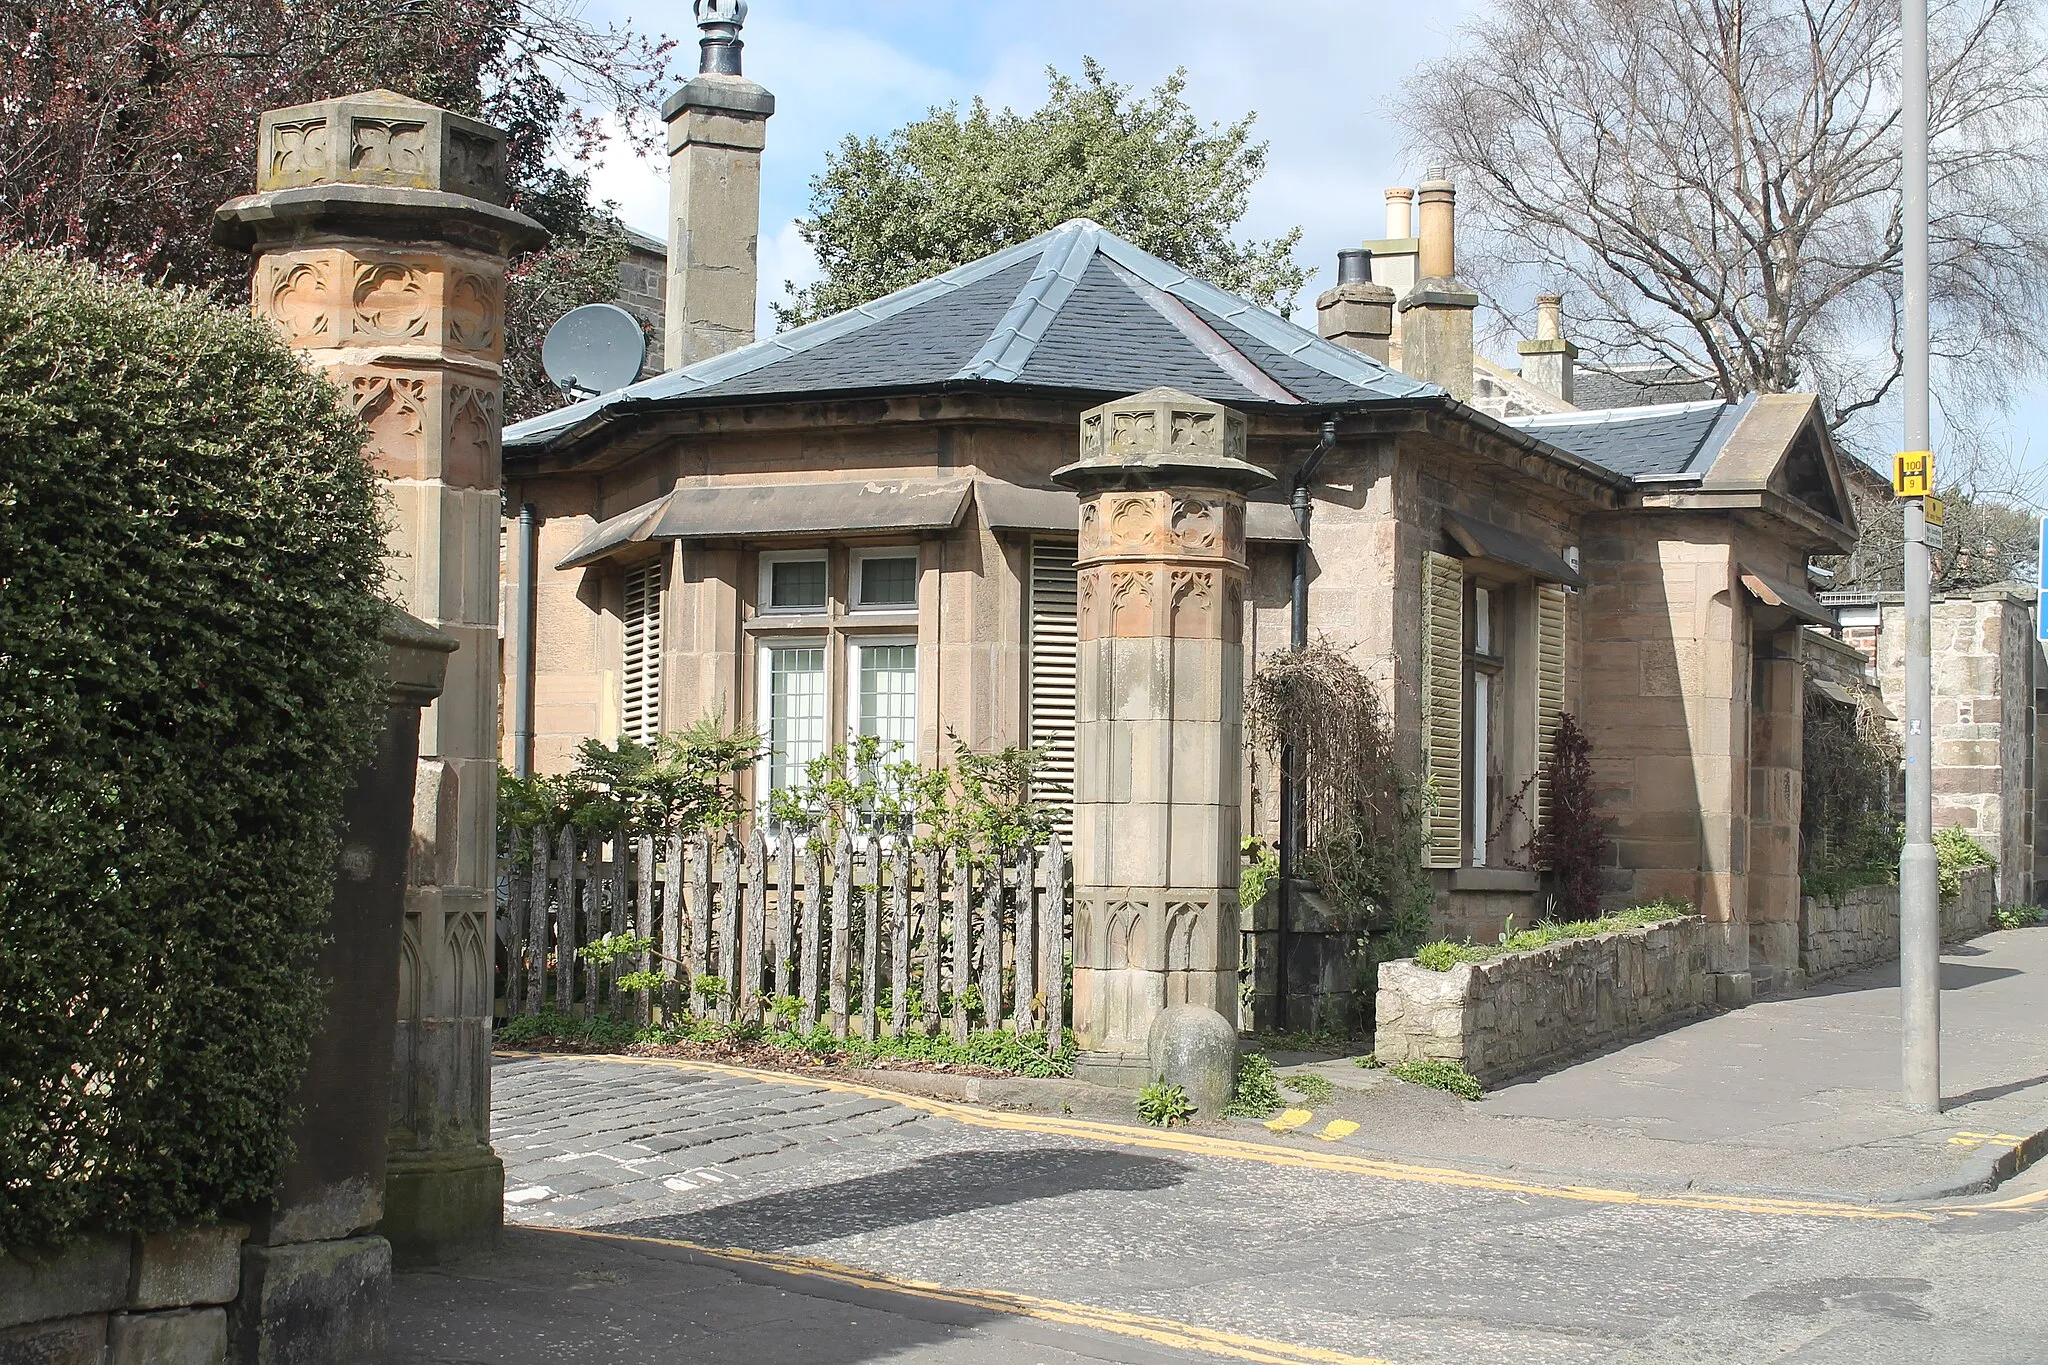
[1667, 441]
[1077, 308]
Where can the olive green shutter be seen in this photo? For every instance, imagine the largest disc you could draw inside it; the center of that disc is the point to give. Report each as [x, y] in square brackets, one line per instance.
[1443, 703]
[1549, 687]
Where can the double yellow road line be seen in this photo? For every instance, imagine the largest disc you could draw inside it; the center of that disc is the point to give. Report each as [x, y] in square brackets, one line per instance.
[1183, 1142]
[1164, 1332]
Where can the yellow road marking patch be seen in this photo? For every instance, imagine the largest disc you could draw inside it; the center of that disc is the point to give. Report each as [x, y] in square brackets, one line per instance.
[1962, 1139]
[1188, 1143]
[1158, 1331]
[1337, 1128]
[1290, 1120]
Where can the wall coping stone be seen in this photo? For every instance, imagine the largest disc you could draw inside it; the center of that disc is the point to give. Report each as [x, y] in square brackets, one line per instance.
[1537, 1007]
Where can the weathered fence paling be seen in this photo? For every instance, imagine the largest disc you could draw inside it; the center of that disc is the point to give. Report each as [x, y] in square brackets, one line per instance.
[765, 916]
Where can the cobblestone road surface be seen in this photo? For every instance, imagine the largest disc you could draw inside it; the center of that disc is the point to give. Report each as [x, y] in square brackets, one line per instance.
[1047, 1240]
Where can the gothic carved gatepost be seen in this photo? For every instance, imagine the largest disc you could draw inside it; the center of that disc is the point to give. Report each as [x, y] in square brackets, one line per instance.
[1159, 718]
[381, 234]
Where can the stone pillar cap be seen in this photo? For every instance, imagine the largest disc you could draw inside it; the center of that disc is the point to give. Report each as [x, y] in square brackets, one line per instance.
[415, 658]
[383, 212]
[1158, 439]
[734, 95]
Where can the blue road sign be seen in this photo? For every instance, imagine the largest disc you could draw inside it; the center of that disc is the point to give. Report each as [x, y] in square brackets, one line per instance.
[2041, 585]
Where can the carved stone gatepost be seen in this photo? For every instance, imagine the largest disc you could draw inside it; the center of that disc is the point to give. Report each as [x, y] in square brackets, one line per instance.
[1159, 716]
[381, 234]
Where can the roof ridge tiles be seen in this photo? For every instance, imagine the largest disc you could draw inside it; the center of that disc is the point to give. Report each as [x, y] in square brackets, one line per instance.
[1060, 267]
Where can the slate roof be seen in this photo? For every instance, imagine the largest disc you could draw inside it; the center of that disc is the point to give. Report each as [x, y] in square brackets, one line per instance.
[1670, 441]
[1077, 309]
[1638, 386]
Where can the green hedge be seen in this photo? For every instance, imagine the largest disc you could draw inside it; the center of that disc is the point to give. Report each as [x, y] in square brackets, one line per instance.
[189, 557]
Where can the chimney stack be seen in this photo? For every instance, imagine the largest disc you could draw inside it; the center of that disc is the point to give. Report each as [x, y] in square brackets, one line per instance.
[1436, 315]
[717, 127]
[1547, 361]
[1400, 213]
[1357, 314]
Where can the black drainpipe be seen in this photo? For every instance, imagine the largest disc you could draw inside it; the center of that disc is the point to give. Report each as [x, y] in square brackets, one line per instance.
[1290, 762]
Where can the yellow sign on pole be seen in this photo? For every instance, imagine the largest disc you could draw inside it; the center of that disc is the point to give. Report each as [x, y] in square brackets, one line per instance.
[1937, 511]
[1913, 473]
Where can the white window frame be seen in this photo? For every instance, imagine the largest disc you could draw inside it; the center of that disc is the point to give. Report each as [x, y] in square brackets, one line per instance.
[858, 567]
[764, 714]
[856, 645]
[765, 602]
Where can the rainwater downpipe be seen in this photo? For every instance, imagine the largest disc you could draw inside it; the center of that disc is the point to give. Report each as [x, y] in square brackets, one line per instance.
[1290, 761]
[523, 555]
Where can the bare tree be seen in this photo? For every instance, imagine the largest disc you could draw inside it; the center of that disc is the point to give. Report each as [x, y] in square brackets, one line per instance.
[1714, 183]
[1991, 534]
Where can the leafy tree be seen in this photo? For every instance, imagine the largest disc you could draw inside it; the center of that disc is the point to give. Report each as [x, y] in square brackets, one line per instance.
[121, 127]
[1716, 184]
[949, 188]
[683, 783]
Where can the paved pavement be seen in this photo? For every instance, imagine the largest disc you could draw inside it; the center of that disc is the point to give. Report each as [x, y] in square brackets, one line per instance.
[682, 1211]
[1797, 1093]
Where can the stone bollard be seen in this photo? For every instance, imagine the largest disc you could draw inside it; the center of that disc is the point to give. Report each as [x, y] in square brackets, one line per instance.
[1159, 710]
[381, 235]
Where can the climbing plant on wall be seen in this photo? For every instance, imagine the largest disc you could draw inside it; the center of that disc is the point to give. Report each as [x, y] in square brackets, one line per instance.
[1364, 816]
[1848, 835]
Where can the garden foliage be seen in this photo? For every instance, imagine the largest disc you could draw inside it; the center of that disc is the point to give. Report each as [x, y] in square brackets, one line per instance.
[189, 678]
[1365, 819]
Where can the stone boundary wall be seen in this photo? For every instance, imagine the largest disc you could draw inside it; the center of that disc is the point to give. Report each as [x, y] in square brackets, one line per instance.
[159, 1300]
[1524, 1011]
[1862, 929]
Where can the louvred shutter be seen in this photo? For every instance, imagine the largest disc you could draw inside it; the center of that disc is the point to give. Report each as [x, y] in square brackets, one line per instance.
[1443, 693]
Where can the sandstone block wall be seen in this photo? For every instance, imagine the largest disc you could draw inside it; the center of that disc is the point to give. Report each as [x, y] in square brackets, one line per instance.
[1524, 1011]
[1862, 928]
[160, 1300]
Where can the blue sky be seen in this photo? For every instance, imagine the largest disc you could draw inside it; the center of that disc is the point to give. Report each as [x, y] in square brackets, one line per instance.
[1320, 73]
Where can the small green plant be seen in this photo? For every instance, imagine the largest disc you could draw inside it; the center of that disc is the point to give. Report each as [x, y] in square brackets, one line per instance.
[1370, 1061]
[1311, 1087]
[552, 1027]
[708, 986]
[1261, 870]
[1958, 853]
[1257, 1093]
[2020, 916]
[1440, 956]
[1438, 1074]
[1164, 1105]
[1443, 954]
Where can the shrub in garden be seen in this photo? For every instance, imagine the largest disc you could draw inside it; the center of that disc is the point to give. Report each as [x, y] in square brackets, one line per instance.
[189, 556]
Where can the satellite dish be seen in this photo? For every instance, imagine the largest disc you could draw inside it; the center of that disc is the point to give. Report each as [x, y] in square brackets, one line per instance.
[594, 349]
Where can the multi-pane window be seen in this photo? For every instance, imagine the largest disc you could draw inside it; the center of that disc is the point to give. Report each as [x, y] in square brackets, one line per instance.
[640, 664]
[885, 581]
[794, 583]
[886, 706]
[1486, 679]
[793, 697]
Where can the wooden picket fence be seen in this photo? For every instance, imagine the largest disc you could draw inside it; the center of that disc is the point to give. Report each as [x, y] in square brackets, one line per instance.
[845, 930]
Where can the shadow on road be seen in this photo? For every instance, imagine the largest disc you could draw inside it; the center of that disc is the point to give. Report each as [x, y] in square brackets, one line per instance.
[546, 1297]
[933, 1187]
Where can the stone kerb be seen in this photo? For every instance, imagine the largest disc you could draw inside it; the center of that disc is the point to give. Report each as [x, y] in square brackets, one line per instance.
[1159, 717]
[1524, 1011]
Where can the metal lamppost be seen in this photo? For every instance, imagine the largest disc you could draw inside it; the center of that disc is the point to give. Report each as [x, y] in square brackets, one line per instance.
[1913, 479]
